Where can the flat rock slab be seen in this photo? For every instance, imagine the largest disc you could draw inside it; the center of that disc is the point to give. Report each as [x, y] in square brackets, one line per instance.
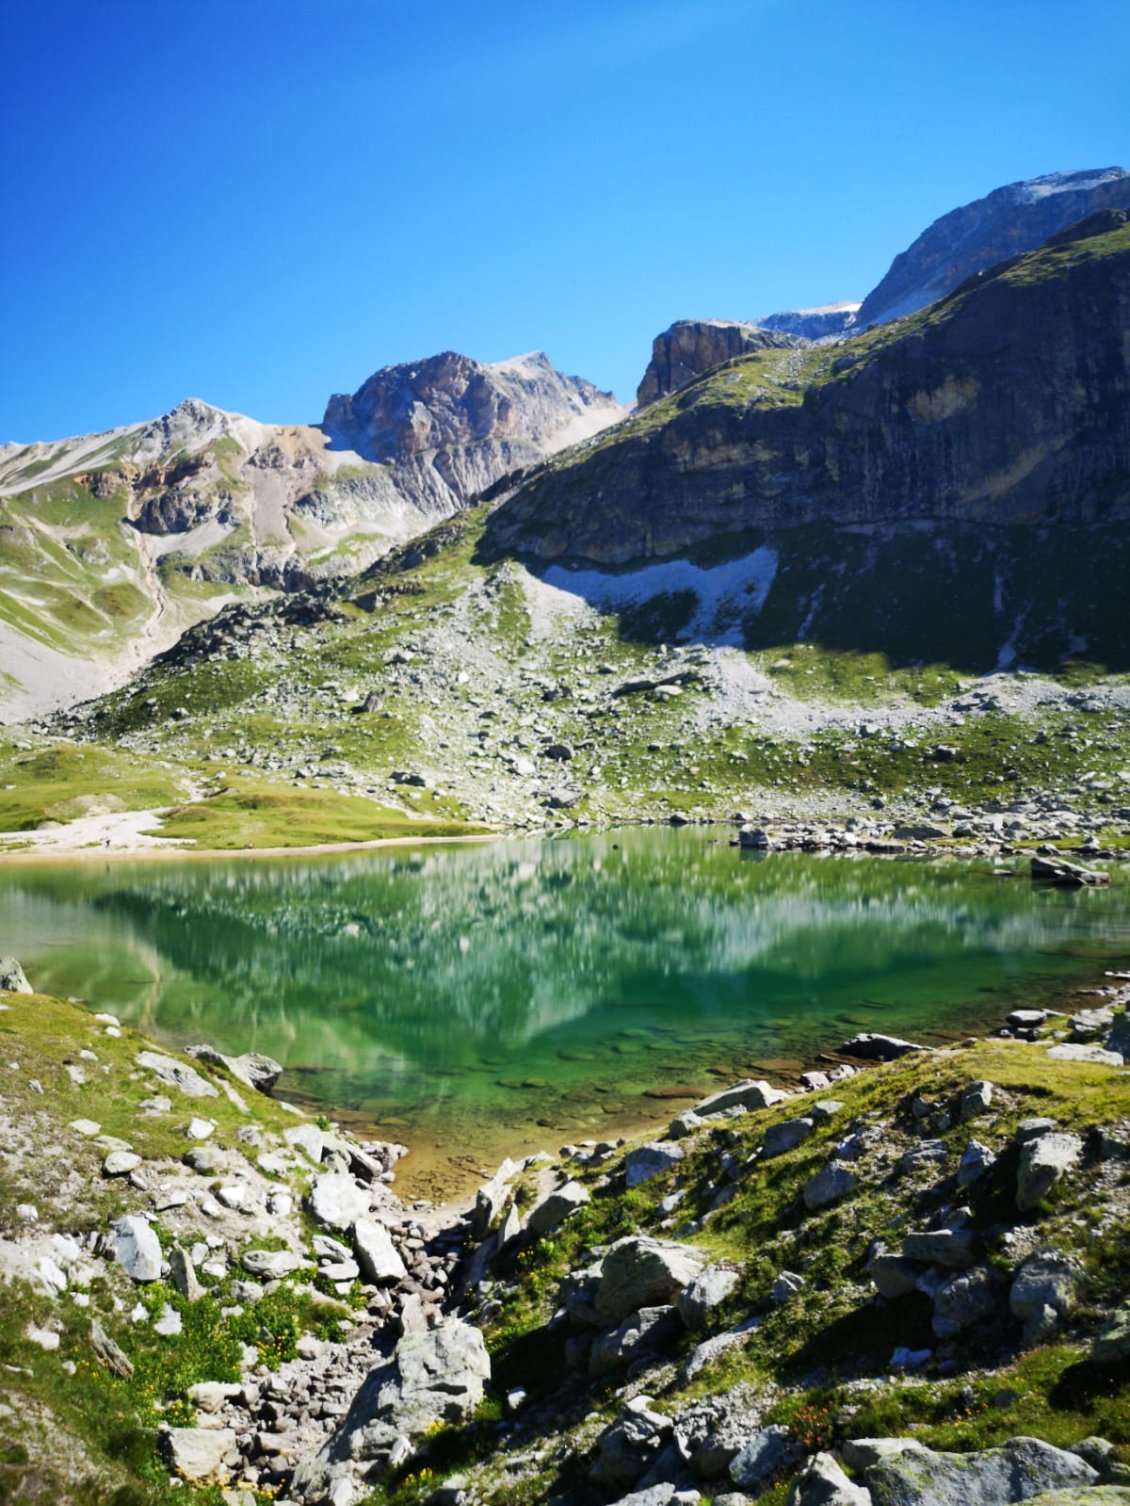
[1078, 1051]
[1017, 1471]
[198, 1454]
[336, 1202]
[177, 1075]
[746, 1094]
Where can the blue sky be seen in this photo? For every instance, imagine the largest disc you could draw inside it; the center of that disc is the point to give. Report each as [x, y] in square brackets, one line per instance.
[259, 202]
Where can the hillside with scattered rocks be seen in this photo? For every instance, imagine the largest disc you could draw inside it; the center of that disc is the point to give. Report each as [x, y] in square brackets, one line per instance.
[881, 1284]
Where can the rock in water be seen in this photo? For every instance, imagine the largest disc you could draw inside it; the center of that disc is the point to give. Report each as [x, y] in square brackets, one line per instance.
[13, 980]
[435, 1376]
[878, 1048]
[1065, 875]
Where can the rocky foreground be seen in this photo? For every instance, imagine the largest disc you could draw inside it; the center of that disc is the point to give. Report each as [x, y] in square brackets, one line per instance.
[904, 1284]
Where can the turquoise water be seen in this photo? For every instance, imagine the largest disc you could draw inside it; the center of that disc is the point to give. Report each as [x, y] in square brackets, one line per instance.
[473, 1000]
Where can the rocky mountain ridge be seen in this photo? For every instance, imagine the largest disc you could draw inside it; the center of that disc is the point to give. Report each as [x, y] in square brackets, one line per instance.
[115, 542]
[1004, 404]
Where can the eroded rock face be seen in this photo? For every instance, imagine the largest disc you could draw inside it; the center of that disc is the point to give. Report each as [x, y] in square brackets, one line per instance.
[883, 432]
[453, 400]
[694, 346]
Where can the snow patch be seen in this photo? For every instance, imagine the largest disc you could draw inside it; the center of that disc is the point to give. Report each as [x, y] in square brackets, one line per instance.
[725, 592]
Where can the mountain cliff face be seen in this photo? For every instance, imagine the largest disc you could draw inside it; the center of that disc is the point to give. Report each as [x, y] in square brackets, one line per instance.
[1008, 403]
[1005, 223]
[113, 543]
[694, 346]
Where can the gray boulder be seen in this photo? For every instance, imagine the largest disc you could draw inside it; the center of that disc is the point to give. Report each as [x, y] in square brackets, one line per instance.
[182, 1274]
[1118, 1040]
[376, 1254]
[652, 1160]
[781, 1138]
[628, 1448]
[746, 1094]
[828, 1186]
[336, 1202]
[177, 1075]
[198, 1454]
[1078, 1051]
[1043, 1292]
[136, 1248]
[772, 1451]
[13, 980]
[963, 1301]
[893, 1275]
[870, 1047]
[709, 1289]
[642, 1335]
[976, 1159]
[1043, 1161]
[252, 1069]
[949, 1247]
[975, 1100]
[1113, 1341]
[435, 1376]
[821, 1482]
[553, 1209]
[1018, 1470]
[640, 1272]
[273, 1264]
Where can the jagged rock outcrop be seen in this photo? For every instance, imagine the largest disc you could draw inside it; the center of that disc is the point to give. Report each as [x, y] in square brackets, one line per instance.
[1007, 404]
[692, 347]
[450, 399]
[1005, 223]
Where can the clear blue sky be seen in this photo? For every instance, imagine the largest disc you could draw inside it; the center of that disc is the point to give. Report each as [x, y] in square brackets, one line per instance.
[259, 202]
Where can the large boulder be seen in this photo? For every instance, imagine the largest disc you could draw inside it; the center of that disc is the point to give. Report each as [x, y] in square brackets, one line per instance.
[12, 977]
[376, 1254]
[709, 1289]
[642, 1335]
[962, 1301]
[640, 1272]
[1043, 1292]
[626, 1449]
[821, 1482]
[555, 1207]
[769, 1453]
[1018, 1470]
[198, 1454]
[828, 1186]
[1043, 1161]
[746, 1094]
[654, 1159]
[252, 1068]
[136, 1248]
[336, 1202]
[435, 1376]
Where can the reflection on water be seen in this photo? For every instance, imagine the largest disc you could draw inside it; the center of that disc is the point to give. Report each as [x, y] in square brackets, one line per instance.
[509, 994]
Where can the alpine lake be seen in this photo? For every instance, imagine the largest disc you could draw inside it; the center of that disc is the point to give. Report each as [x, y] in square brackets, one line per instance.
[480, 1000]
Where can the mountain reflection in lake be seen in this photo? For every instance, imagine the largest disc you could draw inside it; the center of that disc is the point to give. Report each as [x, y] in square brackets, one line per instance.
[503, 996]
